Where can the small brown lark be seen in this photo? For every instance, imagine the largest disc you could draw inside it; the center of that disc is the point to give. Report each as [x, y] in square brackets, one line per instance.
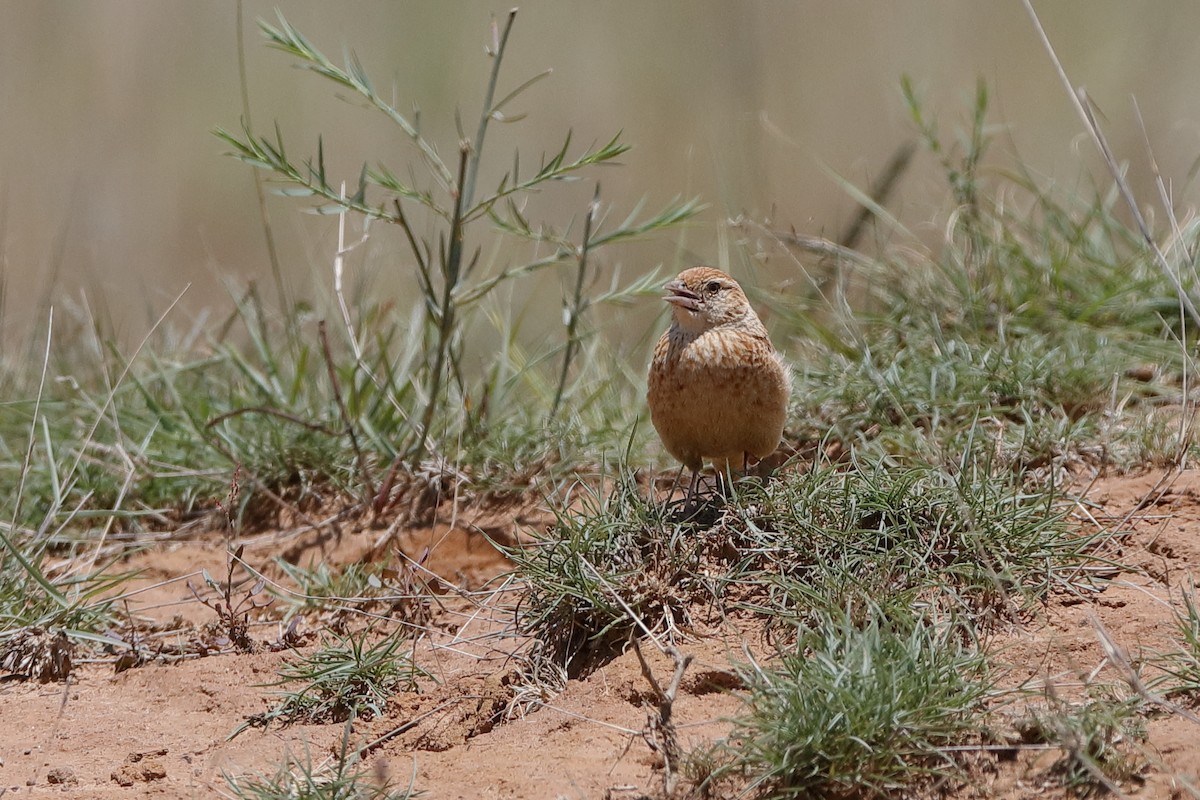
[718, 390]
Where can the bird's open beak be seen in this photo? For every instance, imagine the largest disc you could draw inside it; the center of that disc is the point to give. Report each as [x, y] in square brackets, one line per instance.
[681, 296]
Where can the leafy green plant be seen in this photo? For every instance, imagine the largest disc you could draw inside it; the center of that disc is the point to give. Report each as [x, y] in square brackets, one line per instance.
[448, 269]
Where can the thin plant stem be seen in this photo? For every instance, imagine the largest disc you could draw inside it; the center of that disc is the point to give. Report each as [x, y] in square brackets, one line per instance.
[499, 43]
[451, 271]
[37, 411]
[263, 212]
[579, 304]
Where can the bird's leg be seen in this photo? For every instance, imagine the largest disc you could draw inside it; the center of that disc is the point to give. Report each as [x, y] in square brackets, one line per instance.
[691, 495]
[674, 486]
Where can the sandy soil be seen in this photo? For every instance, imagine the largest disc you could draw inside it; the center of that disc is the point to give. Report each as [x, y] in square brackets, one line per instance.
[160, 730]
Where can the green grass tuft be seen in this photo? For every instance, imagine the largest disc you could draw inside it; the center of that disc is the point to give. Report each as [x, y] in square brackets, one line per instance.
[857, 709]
[612, 565]
[347, 680]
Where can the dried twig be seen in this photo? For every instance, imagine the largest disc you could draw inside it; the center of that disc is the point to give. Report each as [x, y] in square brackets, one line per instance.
[405, 726]
[896, 167]
[660, 732]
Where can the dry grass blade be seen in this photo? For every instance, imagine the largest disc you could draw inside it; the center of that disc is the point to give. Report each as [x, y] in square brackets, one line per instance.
[37, 654]
[1118, 658]
[1083, 107]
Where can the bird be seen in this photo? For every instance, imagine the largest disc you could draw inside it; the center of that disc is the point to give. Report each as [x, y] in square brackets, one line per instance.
[718, 389]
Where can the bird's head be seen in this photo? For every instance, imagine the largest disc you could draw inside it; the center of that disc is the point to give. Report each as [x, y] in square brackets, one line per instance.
[703, 298]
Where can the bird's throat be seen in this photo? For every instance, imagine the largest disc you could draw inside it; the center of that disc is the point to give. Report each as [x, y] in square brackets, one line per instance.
[693, 323]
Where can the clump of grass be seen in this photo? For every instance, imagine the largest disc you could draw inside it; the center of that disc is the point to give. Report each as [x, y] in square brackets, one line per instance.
[908, 536]
[46, 607]
[913, 393]
[614, 564]
[1094, 736]
[913, 539]
[35, 597]
[345, 680]
[1182, 666]
[344, 777]
[1018, 260]
[857, 709]
[160, 443]
[1036, 317]
[30, 598]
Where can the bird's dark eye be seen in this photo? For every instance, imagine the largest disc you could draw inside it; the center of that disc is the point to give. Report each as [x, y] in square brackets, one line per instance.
[713, 287]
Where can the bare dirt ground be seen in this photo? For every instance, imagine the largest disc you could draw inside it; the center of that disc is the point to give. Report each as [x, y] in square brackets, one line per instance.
[160, 730]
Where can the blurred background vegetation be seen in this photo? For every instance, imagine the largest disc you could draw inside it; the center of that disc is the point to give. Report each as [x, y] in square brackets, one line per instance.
[114, 194]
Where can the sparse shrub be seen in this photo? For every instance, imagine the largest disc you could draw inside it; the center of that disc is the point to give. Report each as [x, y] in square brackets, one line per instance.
[450, 278]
